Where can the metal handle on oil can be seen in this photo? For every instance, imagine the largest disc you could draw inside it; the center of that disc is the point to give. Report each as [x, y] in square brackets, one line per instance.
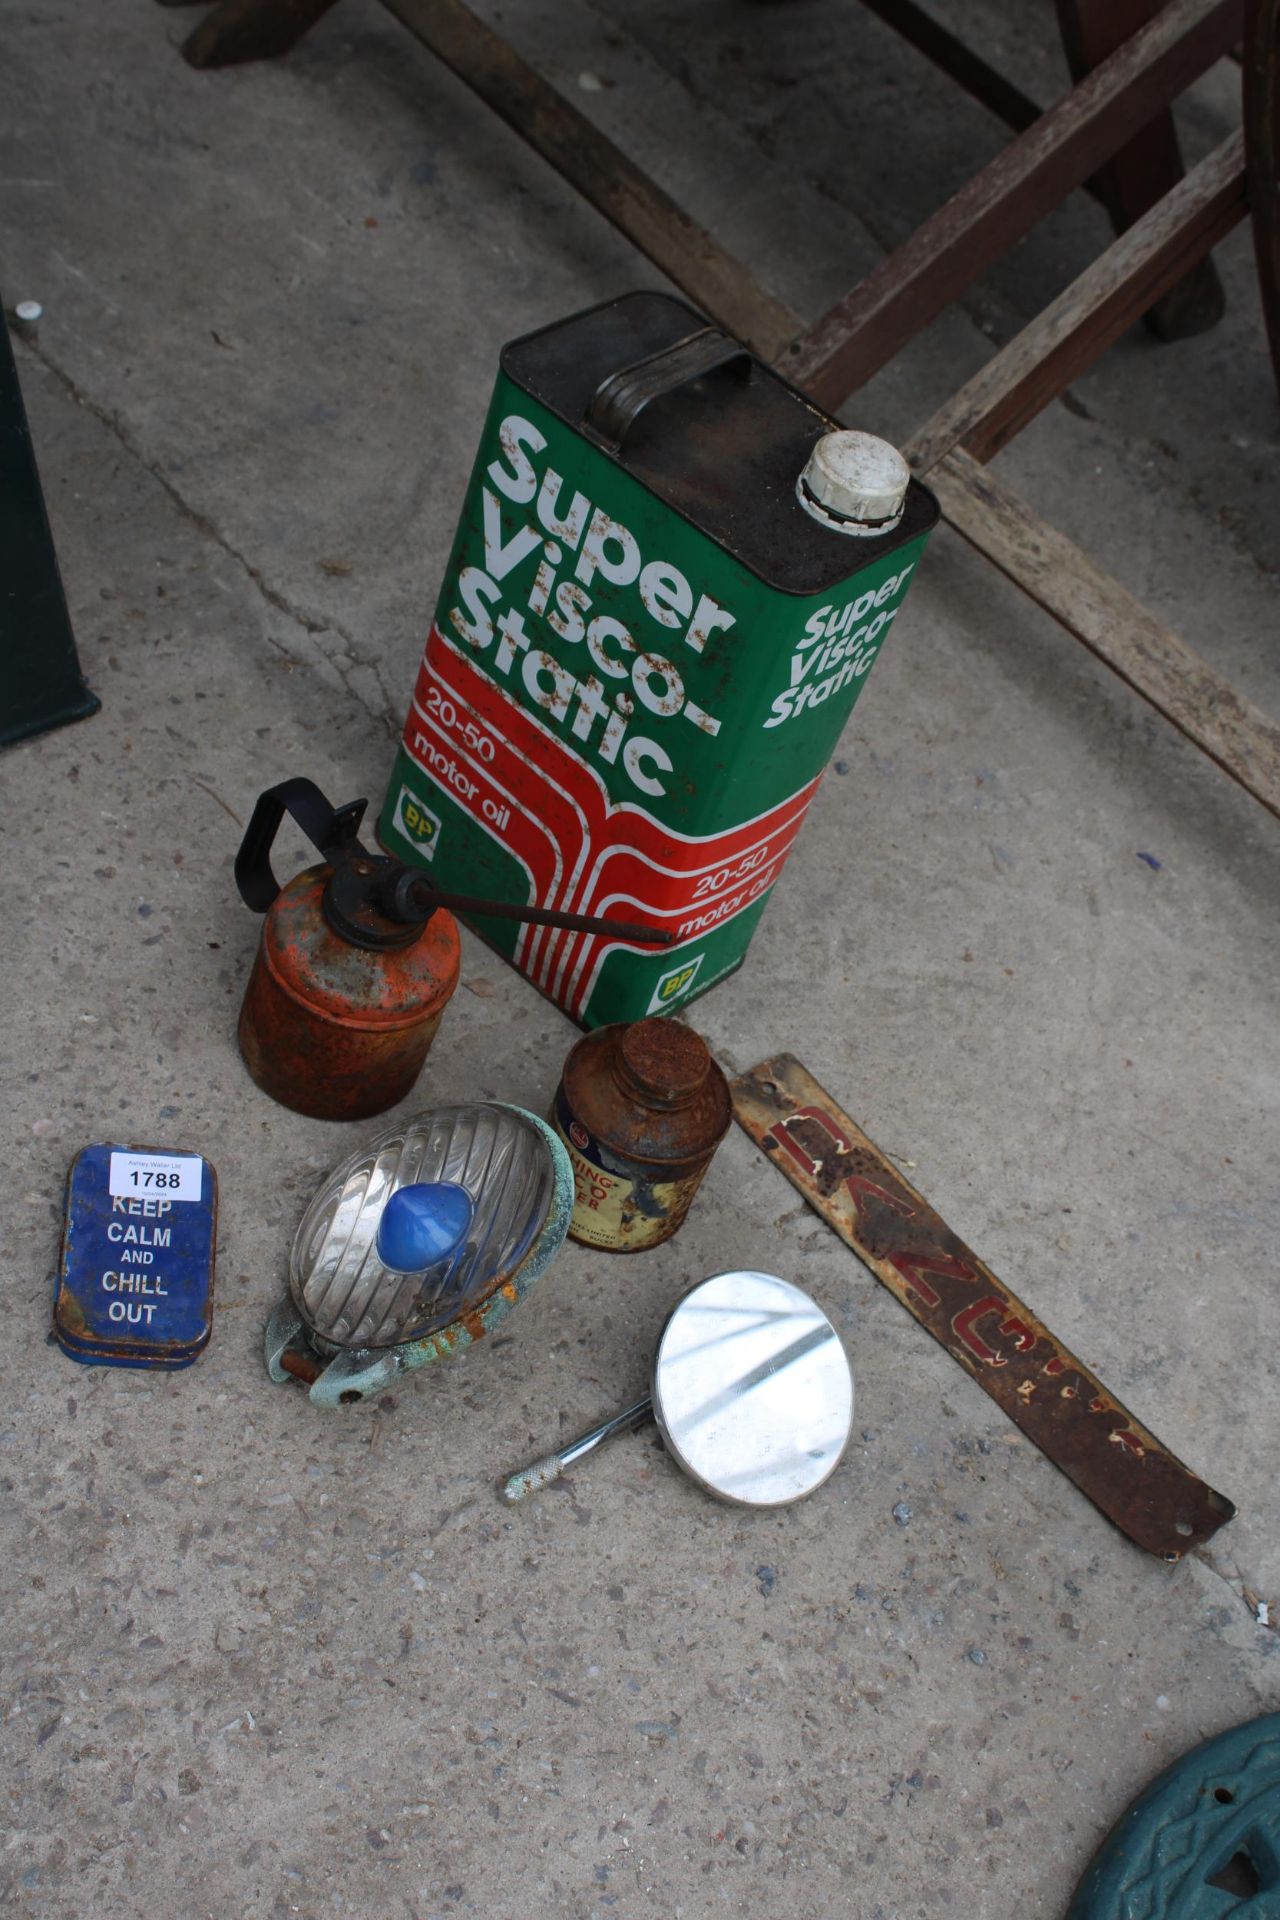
[625, 394]
[330, 830]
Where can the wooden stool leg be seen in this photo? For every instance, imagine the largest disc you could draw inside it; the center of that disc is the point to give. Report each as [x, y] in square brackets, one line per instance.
[1146, 167]
[240, 30]
[1262, 152]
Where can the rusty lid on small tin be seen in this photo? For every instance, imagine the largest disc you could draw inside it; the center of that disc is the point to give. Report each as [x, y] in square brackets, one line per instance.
[602, 1090]
[722, 442]
[664, 1058]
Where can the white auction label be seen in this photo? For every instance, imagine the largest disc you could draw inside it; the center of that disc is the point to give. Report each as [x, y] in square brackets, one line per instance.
[155, 1176]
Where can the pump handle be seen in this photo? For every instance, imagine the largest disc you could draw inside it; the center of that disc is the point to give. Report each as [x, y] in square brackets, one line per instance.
[413, 897]
[331, 831]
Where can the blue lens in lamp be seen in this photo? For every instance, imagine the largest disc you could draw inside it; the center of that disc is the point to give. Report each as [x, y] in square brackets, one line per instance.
[423, 1224]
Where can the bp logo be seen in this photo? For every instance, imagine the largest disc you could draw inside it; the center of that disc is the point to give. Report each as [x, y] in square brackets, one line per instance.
[674, 985]
[417, 823]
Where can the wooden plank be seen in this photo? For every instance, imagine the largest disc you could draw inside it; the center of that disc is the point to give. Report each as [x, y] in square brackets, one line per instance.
[1068, 336]
[601, 173]
[1112, 624]
[1007, 197]
[1146, 166]
[241, 30]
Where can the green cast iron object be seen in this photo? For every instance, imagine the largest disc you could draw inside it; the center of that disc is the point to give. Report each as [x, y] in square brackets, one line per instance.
[1201, 1843]
[351, 1325]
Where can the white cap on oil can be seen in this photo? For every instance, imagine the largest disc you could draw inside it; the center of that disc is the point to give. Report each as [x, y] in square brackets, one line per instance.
[854, 483]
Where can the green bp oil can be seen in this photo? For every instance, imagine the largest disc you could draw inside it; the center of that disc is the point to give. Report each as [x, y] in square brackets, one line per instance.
[670, 579]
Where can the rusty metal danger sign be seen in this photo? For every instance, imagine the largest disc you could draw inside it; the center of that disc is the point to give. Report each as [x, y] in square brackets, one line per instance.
[1053, 1397]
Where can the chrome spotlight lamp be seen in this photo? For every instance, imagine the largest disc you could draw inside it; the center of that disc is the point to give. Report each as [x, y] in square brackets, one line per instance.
[418, 1245]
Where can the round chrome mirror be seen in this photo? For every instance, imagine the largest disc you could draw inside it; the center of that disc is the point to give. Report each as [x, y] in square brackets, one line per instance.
[751, 1389]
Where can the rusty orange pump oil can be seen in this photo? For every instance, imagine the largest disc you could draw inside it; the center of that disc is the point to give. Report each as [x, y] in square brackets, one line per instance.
[642, 1109]
[348, 987]
[300, 1035]
[671, 576]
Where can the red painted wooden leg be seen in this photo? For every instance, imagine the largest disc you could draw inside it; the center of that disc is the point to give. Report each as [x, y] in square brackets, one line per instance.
[240, 30]
[1146, 167]
[1262, 150]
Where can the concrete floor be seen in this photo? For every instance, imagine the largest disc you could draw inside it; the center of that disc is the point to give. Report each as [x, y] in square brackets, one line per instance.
[259, 1661]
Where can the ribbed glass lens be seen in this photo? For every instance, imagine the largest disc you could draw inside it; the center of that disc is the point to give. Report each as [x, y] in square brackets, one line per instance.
[351, 1296]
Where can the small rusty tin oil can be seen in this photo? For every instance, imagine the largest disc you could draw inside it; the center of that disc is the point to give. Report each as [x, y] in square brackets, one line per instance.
[642, 1109]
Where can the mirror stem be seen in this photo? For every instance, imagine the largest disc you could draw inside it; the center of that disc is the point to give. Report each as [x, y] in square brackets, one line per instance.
[543, 1472]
